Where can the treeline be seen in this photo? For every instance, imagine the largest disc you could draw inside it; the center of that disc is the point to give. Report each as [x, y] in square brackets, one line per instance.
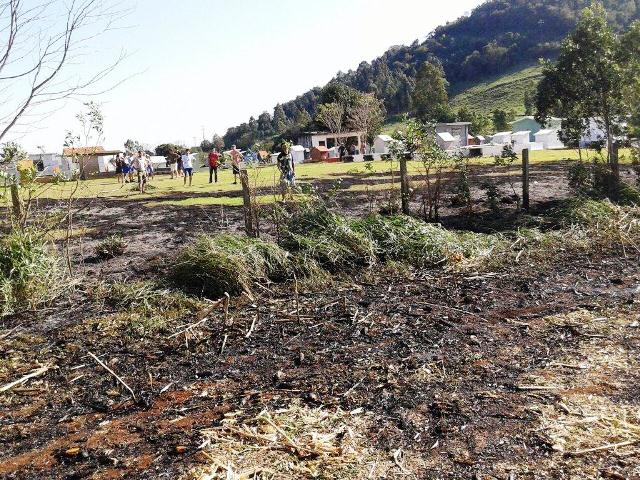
[498, 35]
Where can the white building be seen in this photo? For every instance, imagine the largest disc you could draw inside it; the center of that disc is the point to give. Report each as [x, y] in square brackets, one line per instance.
[446, 141]
[382, 144]
[501, 138]
[297, 153]
[459, 131]
[594, 133]
[549, 139]
[331, 140]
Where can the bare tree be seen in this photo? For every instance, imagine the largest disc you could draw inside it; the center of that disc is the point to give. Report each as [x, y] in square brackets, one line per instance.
[367, 116]
[42, 44]
[331, 116]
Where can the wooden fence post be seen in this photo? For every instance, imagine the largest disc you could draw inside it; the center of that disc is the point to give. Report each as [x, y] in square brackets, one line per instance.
[404, 185]
[525, 179]
[250, 223]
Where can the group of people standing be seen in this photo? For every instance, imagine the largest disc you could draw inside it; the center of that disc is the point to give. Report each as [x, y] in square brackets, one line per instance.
[138, 166]
[130, 164]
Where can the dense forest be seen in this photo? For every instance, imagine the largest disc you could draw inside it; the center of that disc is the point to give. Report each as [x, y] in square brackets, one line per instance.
[497, 36]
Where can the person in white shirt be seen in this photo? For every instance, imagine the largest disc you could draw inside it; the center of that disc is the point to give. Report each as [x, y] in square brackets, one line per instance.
[140, 163]
[187, 166]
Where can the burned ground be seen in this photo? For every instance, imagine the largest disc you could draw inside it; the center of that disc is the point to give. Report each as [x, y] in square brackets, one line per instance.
[516, 373]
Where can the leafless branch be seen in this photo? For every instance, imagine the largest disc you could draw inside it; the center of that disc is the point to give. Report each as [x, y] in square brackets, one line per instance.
[39, 46]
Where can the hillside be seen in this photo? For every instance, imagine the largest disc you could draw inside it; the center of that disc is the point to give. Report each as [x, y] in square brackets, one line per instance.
[498, 37]
[504, 92]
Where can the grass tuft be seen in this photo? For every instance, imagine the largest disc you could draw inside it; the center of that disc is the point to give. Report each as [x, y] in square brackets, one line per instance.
[111, 247]
[30, 272]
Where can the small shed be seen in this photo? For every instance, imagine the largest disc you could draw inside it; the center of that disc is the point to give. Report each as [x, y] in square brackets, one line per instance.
[297, 153]
[549, 139]
[382, 143]
[319, 154]
[480, 140]
[446, 141]
[502, 138]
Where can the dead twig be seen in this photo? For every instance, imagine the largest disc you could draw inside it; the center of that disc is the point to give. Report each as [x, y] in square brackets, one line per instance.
[36, 373]
[604, 447]
[122, 382]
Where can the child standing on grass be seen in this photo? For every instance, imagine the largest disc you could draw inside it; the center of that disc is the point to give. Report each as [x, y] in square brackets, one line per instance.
[187, 166]
[236, 158]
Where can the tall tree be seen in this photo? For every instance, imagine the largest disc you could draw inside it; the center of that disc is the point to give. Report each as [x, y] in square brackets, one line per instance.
[280, 120]
[529, 102]
[500, 120]
[429, 96]
[218, 142]
[331, 116]
[586, 81]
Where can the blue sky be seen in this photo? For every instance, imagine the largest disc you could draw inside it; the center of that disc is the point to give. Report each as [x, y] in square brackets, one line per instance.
[212, 63]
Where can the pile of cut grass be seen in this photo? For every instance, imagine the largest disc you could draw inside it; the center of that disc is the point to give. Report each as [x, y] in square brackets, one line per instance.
[144, 308]
[217, 264]
[408, 240]
[318, 235]
[31, 273]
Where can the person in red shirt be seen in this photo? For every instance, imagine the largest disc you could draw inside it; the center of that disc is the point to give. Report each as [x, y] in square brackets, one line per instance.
[214, 159]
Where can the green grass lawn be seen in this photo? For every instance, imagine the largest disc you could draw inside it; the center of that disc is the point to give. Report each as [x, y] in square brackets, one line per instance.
[164, 190]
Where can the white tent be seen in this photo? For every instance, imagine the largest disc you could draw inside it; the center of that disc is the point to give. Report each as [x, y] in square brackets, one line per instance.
[445, 140]
[297, 153]
[382, 143]
[549, 139]
[503, 138]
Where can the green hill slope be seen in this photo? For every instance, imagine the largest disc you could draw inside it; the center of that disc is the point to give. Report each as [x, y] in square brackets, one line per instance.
[504, 92]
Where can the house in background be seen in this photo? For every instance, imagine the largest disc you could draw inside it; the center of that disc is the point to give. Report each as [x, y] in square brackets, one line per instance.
[50, 164]
[330, 140]
[298, 153]
[528, 123]
[92, 160]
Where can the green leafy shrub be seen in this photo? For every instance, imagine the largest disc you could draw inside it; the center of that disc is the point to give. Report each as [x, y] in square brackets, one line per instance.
[217, 264]
[30, 272]
[111, 247]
